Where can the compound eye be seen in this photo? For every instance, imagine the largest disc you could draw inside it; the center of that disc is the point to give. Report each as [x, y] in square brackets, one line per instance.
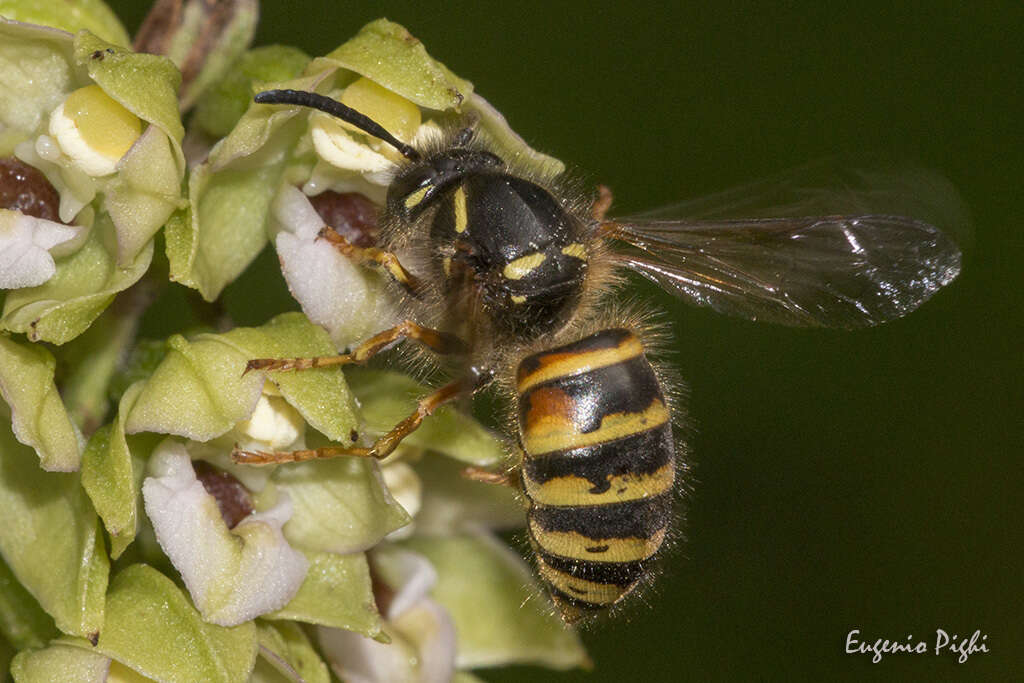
[411, 192]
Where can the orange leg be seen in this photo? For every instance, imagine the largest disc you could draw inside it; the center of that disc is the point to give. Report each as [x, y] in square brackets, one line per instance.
[488, 477]
[439, 342]
[372, 256]
[383, 446]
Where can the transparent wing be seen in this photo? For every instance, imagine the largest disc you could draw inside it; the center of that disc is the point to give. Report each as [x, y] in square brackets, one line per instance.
[855, 266]
[834, 186]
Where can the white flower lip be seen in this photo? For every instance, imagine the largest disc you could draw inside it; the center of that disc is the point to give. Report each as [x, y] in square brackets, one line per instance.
[423, 634]
[347, 300]
[232, 575]
[25, 243]
[409, 575]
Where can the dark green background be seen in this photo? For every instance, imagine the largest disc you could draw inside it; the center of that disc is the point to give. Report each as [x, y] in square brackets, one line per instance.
[865, 480]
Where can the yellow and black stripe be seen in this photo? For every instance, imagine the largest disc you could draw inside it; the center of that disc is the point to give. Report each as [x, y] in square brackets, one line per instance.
[598, 469]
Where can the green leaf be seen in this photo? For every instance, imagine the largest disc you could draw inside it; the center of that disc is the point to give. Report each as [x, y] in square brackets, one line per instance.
[495, 603]
[38, 416]
[145, 85]
[51, 539]
[85, 283]
[23, 622]
[153, 628]
[60, 663]
[198, 390]
[112, 474]
[36, 73]
[336, 593]
[386, 53]
[221, 107]
[285, 648]
[386, 398]
[69, 15]
[341, 505]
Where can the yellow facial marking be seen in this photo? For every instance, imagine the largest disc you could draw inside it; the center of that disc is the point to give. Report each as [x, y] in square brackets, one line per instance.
[460, 210]
[417, 196]
[571, 491]
[569, 364]
[447, 265]
[545, 433]
[523, 266]
[516, 299]
[576, 250]
[579, 547]
[590, 591]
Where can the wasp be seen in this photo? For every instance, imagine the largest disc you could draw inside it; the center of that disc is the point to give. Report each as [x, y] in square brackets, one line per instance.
[509, 274]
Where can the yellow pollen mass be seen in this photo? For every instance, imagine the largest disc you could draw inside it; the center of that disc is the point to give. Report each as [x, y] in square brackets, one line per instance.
[94, 130]
[399, 116]
[523, 266]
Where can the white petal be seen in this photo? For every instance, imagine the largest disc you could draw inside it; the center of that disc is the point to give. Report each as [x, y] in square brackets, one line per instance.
[430, 629]
[232, 575]
[422, 649]
[358, 659]
[25, 241]
[409, 575]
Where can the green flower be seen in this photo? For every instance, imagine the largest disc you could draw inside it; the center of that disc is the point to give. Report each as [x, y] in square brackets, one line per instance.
[101, 125]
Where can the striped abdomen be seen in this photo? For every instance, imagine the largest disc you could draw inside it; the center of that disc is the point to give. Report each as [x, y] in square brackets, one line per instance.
[598, 467]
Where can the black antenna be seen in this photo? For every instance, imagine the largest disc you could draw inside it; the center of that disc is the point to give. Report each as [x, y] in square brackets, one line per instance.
[341, 111]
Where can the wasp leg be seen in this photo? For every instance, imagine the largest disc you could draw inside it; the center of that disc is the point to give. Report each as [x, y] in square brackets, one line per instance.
[602, 203]
[439, 342]
[372, 256]
[383, 446]
[488, 477]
